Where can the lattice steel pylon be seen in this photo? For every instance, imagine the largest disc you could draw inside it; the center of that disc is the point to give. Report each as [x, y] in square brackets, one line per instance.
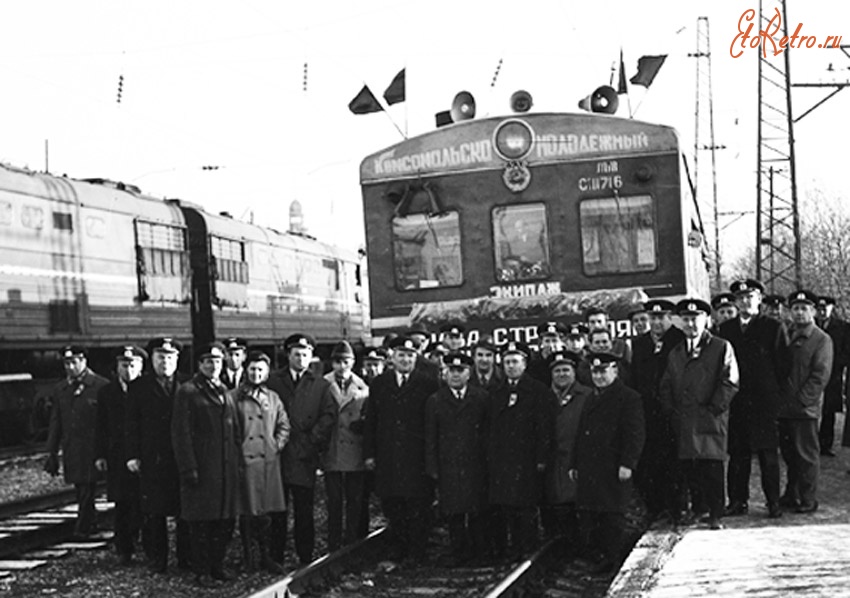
[778, 255]
[705, 187]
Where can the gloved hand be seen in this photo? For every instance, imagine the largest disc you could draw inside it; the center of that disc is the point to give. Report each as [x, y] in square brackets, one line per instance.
[190, 478]
[51, 465]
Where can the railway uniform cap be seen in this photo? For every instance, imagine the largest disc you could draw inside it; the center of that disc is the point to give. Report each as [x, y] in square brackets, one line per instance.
[722, 300]
[342, 350]
[233, 343]
[131, 352]
[213, 349]
[551, 329]
[165, 344]
[564, 358]
[438, 349]
[390, 337]
[70, 351]
[773, 300]
[457, 360]
[640, 308]
[485, 343]
[577, 330]
[255, 356]
[600, 361]
[403, 343]
[418, 328]
[825, 300]
[659, 306]
[692, 307]
[802, 296]
[453, 329]
[739, 287]
[375, 354]
[299, 340]
[515, 348]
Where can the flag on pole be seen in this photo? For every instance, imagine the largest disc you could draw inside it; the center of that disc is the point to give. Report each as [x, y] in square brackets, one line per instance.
[648, 67]
[395, 92]
[621, 85]
[365, 102]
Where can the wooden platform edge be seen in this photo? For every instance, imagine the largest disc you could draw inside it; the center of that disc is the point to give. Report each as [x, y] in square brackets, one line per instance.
[640, 569]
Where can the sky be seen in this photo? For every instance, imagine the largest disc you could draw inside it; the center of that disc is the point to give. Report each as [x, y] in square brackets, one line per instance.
[222, 83]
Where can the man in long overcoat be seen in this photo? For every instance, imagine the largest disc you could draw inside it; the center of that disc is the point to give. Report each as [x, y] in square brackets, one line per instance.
[72, 426]
[312, 416]
[657, 478]
[394, 446]
[485, 373]
[609, 441]
[805, 376]
[696, 390]
[759, 343]
[150, 403]
[833, 396]
[207, 448]
[122, 487]
[520, 439]
[456, 441]
[264, 429]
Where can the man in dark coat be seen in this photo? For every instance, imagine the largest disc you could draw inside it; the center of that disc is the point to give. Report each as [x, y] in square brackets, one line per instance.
[759, 343]
[455, 456]
[518, 449]
[805, 376]
[122, 487]
[485, 374]
[207, 448]
[236, 350]
[697, 387]
[394, 447]
[560, 490]
[609, 440]
[150, 404]
[72, 426]
[725, 309]
[833, 396]
[550, 339]
[657, 477]
[312, 416]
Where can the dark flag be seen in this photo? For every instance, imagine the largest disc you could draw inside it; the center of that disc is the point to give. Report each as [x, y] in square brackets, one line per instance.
[395, 92]
[648, 67]
[365, 102]
[621, 85]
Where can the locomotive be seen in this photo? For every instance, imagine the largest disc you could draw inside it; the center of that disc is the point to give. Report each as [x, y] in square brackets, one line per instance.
[98, 263]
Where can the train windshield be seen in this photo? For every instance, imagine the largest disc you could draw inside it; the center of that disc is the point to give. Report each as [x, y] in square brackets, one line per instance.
[618, 235]
[521, 242]
[426, 250]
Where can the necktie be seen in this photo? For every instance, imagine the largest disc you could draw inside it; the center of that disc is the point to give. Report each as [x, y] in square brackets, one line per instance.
[403, 380]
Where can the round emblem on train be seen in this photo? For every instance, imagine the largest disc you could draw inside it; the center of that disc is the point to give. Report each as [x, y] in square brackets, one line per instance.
[513, 139]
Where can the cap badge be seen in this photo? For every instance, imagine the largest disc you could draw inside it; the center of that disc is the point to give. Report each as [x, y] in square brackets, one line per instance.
[692, 306]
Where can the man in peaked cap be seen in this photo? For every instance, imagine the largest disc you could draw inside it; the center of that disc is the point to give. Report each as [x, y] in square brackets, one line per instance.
[805, 377]
[833, 396]
[724, 307]
[550, 336]
[485, 373]
[150, 453]
[773, 306]
[518, 449]
[639, 319]
[455, 443]
[452, 336]
[110, 454]
[374, 361]
[697, 388]
[759, 344]
[236, 349]
[72, 427]
[609, 440]
[656, 478]
[312, 415]
[394, 447]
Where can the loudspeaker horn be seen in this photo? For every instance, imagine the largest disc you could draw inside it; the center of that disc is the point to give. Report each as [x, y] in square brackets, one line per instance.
[604, 99]
[521, 101]
[463, 107]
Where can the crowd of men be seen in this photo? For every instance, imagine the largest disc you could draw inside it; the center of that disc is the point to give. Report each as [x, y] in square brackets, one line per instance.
[510, 441]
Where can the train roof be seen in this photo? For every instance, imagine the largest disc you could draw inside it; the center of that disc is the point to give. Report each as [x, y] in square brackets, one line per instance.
[470, 145]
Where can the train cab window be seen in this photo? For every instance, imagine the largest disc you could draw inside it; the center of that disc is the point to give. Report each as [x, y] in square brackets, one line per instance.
[618, 235]
[230, 261]
[426, 251]
[521, 242]
[161, 249]
[63, 221]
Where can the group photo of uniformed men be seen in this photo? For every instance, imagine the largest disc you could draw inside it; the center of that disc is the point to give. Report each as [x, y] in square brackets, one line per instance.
[504, 445]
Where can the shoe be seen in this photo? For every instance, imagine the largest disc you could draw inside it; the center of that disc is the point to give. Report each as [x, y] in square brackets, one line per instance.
[735, 508]
[714, 523]
[221, 574]
[774, 511]
[788, 502]
[807, 507]
[827, 452]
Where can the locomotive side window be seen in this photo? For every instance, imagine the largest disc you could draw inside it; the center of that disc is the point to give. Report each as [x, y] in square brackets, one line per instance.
[426, 251]
[521, 242]
[62, 221]
[618, 235]
[162, 249]
[229, 260]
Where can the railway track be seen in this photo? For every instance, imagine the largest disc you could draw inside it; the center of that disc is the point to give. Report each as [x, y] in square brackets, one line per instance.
[359, 570]
[14, 454]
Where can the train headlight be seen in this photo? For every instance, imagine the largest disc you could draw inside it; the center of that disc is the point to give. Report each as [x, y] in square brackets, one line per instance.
[513, 139]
